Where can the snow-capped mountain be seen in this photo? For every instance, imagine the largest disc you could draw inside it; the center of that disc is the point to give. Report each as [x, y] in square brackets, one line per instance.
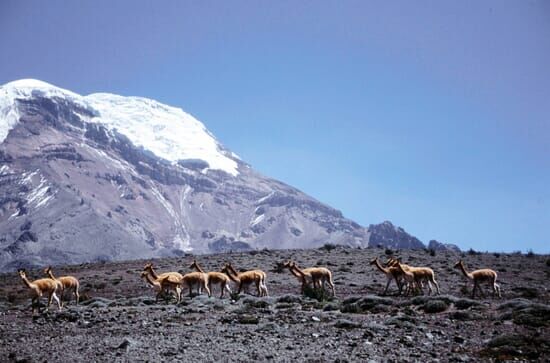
[168, 132]
[106, 177]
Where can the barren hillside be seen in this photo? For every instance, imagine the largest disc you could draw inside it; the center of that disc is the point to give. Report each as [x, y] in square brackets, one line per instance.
[119, 320]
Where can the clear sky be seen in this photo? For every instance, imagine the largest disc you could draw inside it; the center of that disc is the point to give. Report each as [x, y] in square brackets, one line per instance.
[434, 115]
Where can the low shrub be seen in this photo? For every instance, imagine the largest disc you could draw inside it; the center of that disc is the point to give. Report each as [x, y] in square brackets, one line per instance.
[328, 247]
[435, 306]
[317, 294]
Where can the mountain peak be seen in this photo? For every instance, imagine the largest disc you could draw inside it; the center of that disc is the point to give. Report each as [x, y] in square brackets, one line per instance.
[168, 132]
[108, 177]
[28, 83]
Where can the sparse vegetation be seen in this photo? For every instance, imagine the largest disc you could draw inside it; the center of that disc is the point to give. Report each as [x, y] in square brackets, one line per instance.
[328, 247]
[363, 323]
[435, 306]
[473, 252]
[317, 294]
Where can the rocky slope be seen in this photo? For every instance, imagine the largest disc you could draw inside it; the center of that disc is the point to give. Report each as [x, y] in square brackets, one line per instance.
[118, 319]
[105, 177]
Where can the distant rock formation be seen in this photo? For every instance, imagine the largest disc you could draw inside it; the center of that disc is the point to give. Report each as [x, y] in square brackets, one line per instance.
[439, 246]
[388, 235]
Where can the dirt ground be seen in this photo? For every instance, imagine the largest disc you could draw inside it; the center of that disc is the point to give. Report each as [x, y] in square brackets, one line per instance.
[119, 320]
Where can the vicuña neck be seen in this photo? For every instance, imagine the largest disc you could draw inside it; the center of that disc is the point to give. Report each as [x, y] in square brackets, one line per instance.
[153, 273]
[298, 271]
[232, 275]
[26, 282]
[293, 271]
[151, 281]
[463, 269]
[197, 266]
[379, 266]
[230, 267]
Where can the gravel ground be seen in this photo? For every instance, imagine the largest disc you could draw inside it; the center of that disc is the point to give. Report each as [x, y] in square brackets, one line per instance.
[119, 320]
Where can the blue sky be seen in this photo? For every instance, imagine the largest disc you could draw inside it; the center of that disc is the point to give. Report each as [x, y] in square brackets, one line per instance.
[433, 114]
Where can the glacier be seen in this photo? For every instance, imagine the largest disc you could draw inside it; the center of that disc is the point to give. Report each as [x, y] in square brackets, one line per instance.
[168, 132]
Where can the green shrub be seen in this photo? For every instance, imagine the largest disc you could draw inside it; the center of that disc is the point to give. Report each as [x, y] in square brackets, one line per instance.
[317, 294]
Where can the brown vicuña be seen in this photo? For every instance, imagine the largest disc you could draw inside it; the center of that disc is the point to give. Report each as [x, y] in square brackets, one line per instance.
[478, 276]
[412, 282]
[199, 279]
[420, 274]
[302, 277]
[68, 283]
[392, 273]
[165, 284]
[245, 279]
[40, 287]
[150, 268]
[214, 277]
[318, 275]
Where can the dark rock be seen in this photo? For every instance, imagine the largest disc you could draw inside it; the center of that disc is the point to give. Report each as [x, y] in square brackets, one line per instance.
[435, 306]
[346, 324]
[537, 315]
[97, 302]
[516, 346]
[368, 303]
[289, 298]
[464, 315]
[126, 344]
[248, 319]
[462, 304]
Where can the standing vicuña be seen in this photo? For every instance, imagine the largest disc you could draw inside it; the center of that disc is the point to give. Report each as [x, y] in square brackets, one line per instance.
[420, 274]
[392, 273]
[478, 276]
[245, 279]
[214, 277]
[303, 278]
[68, 283]
[163, 285]
[40, 287]
[198, 279]
[318, 275]
[149, 268]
